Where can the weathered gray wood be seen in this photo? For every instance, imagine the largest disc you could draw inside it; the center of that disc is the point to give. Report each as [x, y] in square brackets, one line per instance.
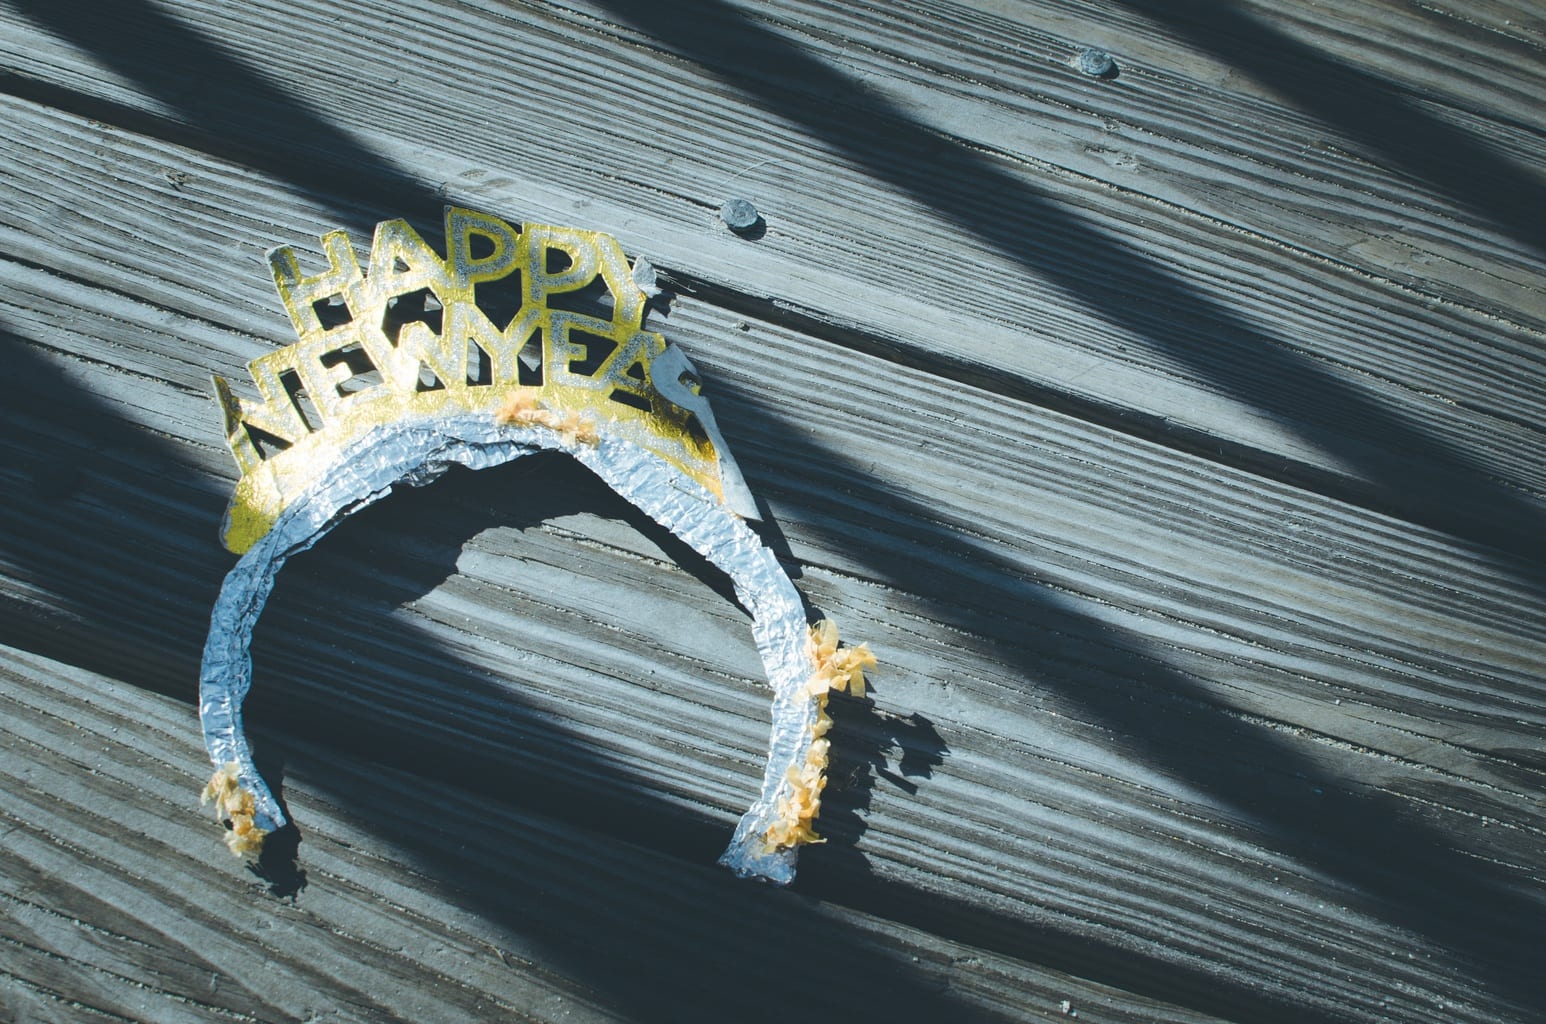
[118, 907]
[1087, 722]
[1246, 331]
[1151, 715]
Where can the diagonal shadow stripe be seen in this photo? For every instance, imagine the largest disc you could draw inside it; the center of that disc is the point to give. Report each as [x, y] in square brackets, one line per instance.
[1410, 873]
[313, 693]
[150, 636]
[895, 152]
[1412, 473]
[1370, 113]
[229, 106]
[79, 498]
[1399, 467]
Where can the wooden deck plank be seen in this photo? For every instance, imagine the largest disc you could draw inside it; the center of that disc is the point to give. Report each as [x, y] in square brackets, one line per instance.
[1052, 766]
[467, 910]
[1102, 552]
[1154, 715]
[185, 355]
[1224, 331]
[1189, 131]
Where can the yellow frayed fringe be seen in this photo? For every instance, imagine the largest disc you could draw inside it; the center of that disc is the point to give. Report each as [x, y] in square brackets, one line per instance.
[839, 669]
[522, 409]
[235, 807]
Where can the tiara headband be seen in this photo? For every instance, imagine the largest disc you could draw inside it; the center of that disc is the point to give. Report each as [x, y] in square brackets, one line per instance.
[400, 374]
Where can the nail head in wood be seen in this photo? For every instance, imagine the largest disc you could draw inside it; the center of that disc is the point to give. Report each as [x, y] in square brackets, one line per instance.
[1096, 63]
[739, 216]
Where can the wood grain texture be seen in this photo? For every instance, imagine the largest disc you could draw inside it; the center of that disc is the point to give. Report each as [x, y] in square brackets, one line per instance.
[1247, 329]
[1139, 771]
[1162, 730]
[117, 906]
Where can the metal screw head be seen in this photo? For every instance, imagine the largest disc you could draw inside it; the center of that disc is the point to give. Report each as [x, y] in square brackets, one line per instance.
[1096, 63]
[739, 215]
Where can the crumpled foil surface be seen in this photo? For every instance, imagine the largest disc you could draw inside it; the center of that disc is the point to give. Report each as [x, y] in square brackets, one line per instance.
[416, 452]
